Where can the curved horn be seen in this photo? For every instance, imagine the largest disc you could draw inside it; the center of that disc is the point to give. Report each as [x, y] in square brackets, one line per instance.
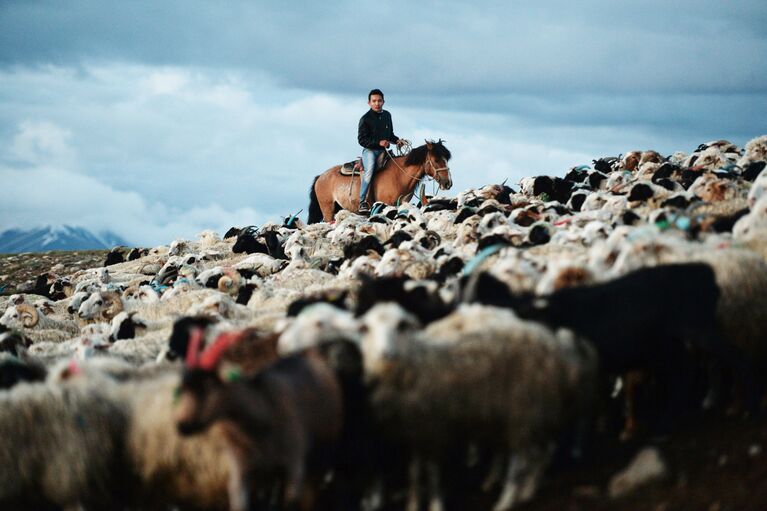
[115, 304]
[229, 282]
[29, 315]
[435, 235]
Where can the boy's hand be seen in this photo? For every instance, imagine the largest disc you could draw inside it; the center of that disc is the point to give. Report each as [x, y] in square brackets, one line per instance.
[384, 143]
[400, 142]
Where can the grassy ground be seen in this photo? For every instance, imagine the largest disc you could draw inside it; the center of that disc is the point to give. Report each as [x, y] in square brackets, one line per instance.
[18, 269]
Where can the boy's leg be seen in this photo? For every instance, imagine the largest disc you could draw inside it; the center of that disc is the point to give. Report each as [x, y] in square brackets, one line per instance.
[368, 162]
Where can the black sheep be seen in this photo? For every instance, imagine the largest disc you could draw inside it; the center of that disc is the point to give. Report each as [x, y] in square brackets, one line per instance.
[647, 320]
[363, 246]
[426, 306]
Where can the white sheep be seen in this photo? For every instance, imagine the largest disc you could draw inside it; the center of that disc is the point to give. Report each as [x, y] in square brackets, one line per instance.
[755, 150]
[317, 323]
[481, 369]
[166, 469]
[37, 325]
[758, 189]
[62, 447]
[262, 264]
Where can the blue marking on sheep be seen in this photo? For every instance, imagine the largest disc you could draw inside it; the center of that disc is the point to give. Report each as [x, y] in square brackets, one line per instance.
[480, 257]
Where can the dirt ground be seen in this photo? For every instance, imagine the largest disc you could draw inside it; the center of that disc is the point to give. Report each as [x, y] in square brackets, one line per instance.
[718, 463]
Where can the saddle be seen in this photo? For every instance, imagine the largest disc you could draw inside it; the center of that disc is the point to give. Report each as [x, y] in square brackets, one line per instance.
[354, 168]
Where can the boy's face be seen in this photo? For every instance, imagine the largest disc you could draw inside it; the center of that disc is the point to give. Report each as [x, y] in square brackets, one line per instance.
[376, 102]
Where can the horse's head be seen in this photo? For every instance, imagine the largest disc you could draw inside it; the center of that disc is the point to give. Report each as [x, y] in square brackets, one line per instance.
[435, 165]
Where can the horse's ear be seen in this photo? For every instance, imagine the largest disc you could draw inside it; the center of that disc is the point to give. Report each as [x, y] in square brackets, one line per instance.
[428, 144]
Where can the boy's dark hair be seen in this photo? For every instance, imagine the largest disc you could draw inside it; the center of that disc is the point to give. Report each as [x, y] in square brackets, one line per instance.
[375, 92]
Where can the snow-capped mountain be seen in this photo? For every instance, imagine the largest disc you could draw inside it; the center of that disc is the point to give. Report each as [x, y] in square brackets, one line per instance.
[62, 237]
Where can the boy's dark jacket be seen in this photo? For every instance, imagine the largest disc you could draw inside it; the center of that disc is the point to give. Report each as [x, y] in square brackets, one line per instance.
[375, 127]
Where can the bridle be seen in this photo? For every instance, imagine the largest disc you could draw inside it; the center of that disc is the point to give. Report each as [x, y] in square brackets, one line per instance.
[429, 160]
[436, 170]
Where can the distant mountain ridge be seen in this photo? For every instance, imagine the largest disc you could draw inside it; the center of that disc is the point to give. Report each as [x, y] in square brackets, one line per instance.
[62, 237]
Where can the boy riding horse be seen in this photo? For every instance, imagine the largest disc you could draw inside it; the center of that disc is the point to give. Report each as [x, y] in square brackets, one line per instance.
[375, 133]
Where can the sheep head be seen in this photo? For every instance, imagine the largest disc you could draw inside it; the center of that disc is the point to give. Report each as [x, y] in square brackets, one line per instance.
[382, 327]
[195, 401]
[28, 314]
[230, 281]
[317, 323]
[208, 359]
[631, 160]
[201, 393]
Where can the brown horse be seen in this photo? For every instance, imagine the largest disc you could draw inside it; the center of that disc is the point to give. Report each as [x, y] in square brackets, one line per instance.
[395, 182]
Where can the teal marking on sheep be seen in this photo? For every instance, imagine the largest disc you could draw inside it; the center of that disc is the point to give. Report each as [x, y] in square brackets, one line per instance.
[481, 257]
[683, 223]
[159, 288]
[293, 218]
[376, 209]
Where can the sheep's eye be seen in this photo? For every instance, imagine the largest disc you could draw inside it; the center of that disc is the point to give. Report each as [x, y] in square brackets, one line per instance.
[402, 326]
[364, 329]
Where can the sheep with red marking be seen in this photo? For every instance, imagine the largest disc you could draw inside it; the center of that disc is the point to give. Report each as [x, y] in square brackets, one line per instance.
[278, 422]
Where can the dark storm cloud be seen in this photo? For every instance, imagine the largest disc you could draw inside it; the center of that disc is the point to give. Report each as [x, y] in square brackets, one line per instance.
[427, 47]
[169, 110]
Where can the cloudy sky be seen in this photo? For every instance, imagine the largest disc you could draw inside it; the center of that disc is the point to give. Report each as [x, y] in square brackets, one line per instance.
[158, 119]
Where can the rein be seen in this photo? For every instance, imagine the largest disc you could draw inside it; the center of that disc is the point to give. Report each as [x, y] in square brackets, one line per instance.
[392, 157]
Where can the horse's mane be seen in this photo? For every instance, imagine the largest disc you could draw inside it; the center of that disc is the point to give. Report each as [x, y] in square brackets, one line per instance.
[418, 155]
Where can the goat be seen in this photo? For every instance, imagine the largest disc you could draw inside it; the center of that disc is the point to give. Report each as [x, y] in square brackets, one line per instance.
[276, 421]
[643, 320]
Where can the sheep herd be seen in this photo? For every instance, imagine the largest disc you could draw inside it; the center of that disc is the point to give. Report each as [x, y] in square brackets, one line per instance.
[363, 363]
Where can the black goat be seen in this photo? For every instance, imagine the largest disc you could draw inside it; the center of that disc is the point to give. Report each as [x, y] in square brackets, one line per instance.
[333, 297]
[363, 246]
[13, 371]
[178, 343]
[648, 319]
[251, 241]
[426, 306]
[281, 423]
[115, 256]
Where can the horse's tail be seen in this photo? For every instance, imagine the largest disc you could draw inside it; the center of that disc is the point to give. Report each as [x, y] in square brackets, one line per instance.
[315, 213]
